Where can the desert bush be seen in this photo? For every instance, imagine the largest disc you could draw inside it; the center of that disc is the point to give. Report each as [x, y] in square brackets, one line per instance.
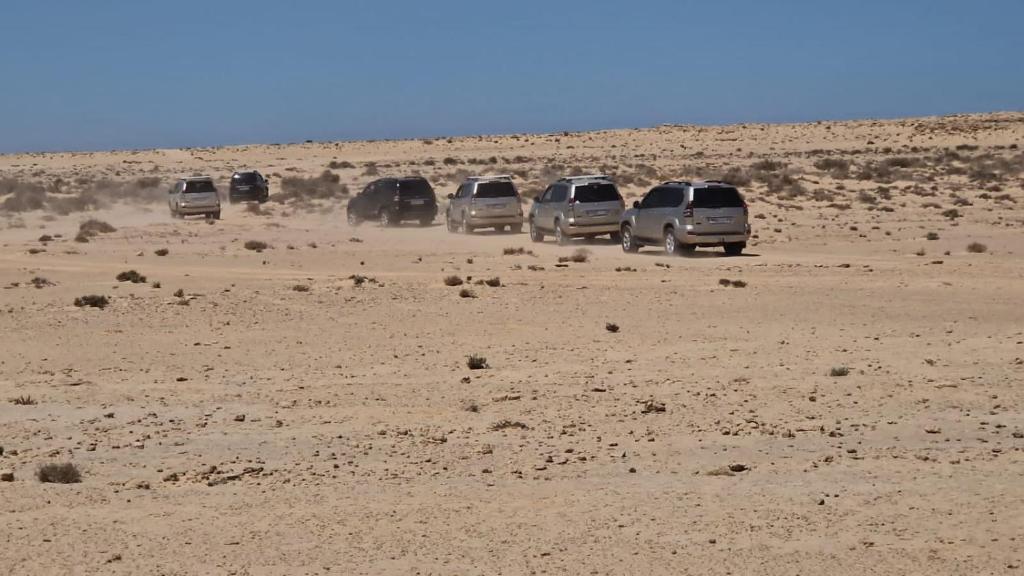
[837, 167]
[92, 227]
[976, 248]
[161, 252]
[951, 213]
[452, 280]
[507, 424]
[516, 251]
[323, 187]
[735, 175]
[300, 288]
[866, 197]
[580, 256]
[179, 293]
[767, 165]
[493, 282]
[63, 473]
[476, 362]
[24, 401]
[92, 300]
[131, 276]
[256, 245]
[146, 182]
[931, 236]
[336, 165]
[40, 282]
[838, 371]
[611, 327]
[467, 293]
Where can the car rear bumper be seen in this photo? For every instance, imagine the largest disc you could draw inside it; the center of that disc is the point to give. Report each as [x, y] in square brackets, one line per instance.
[713, 239]
[187, 210]
[248, 196]
[410, 213]
[576, 229]
[502, 220]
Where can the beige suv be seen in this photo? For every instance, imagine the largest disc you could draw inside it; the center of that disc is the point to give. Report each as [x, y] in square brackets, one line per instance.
[485, 202]
[577, 207]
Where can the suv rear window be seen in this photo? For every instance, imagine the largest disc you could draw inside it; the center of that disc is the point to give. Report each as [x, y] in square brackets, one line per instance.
[716, 197]
[415, 189]
[597, 192]
[499, 189]
[199, 186]
[244, 178]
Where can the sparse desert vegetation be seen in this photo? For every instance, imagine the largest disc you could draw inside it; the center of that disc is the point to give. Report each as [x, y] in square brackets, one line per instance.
[59, 473]
[92, 301]
[851, 389]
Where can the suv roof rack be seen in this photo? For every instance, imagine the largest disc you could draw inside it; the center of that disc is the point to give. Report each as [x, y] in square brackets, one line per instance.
[585, 177]
[682, 182]
[495, 177]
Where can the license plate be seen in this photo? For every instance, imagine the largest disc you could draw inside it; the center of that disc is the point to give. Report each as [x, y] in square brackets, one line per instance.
[720, 220]
[417, 202]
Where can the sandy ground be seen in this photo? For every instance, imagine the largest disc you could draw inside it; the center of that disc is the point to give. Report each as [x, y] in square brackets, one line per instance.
[247, 427]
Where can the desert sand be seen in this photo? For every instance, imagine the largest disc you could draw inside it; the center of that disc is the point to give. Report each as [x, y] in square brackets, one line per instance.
[279, 416]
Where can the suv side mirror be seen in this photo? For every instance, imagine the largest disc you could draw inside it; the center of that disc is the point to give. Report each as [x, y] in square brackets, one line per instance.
[536, 199]
[450, 196]
[636, 203]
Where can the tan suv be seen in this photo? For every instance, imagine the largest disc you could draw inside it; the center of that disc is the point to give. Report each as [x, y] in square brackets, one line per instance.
[577, 207]
[485, 202]
[684, 215]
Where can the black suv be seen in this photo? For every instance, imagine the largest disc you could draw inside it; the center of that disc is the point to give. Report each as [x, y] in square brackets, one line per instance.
[248, 186]
[392, 200]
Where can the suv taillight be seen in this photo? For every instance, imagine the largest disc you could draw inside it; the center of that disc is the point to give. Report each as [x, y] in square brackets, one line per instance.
[746, 210]
[688, 211]
[396, 198]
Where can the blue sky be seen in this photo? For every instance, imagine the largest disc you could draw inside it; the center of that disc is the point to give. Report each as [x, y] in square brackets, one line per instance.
[107, 74]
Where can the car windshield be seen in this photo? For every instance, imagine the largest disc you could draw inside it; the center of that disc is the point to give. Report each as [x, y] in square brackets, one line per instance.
[717, 197]
[199, 187]
[496, 189]
[597, 192]
[244, 178]
[415, 188]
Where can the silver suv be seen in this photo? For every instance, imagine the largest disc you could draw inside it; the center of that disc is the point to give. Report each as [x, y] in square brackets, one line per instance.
[485, 202]
[579, 206]
[194, 196]
[684, 215]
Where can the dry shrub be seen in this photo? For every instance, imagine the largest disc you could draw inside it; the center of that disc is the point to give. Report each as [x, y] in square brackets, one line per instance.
[63, 473]
[323, 187]
[92, 300]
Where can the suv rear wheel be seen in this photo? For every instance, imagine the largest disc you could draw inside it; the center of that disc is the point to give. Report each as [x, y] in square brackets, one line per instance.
[670, 242]
[535, 234]
[626, 238]
[560, 238]
[735, 248]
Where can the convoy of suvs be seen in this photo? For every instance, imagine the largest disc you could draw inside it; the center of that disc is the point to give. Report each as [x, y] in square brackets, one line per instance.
[679, 215]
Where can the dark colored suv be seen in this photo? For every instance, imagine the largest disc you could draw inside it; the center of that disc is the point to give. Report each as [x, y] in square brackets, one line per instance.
[248, 186]
[391, 201]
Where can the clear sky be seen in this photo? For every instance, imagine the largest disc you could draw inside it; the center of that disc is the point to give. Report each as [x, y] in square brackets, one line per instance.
[100, 74]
